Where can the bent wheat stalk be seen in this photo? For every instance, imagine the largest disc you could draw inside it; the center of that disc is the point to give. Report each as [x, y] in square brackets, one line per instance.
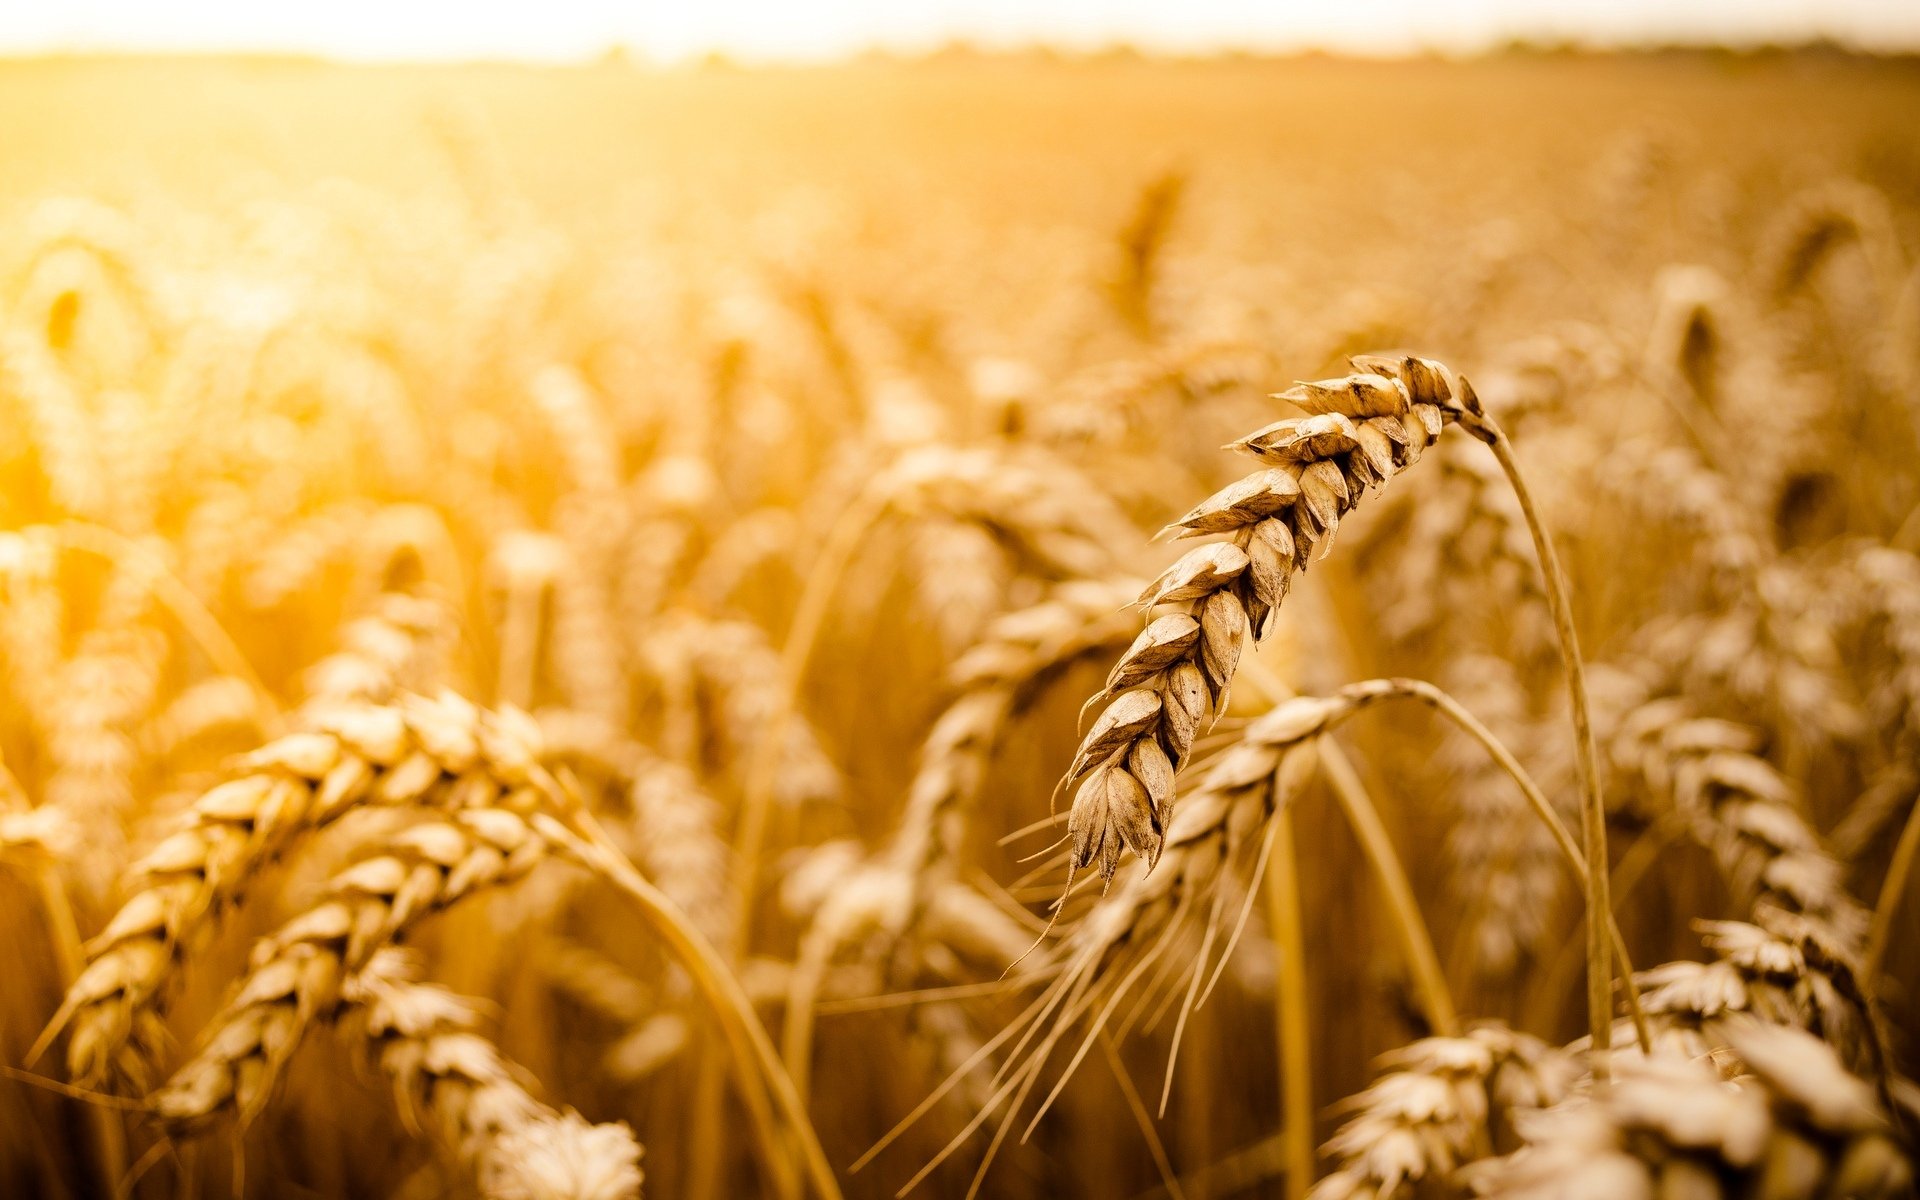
[1447, 706]
[1593, 810]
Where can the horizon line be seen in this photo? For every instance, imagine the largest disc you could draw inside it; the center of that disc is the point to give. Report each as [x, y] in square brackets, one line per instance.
[636, 57]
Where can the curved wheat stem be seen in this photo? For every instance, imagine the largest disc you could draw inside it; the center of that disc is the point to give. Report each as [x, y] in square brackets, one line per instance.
[1586, 752]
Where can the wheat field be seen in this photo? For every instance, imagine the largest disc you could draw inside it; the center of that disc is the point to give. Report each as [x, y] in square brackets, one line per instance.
[567, 632]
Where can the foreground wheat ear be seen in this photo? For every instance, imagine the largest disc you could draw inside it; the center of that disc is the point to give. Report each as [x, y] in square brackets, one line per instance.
[1173, 682]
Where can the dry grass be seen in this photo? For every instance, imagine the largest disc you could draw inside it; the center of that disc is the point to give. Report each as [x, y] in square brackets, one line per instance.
[631, 547]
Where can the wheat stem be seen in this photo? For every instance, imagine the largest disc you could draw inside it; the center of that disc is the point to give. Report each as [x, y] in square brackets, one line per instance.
[1295, 1027]
[722, 990]
[1593, 811]
[809, 618]
[1363, 817]
[1429, 694]
[201, 625]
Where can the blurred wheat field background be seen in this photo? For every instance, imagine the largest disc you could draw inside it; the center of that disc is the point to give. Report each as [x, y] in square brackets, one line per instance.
[545, 612]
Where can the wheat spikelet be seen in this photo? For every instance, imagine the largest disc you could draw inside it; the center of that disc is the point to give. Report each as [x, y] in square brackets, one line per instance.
[724, 676]
[674, 827]
[1437, 1109]
[587, 446]
[757, 541]
[1876, 589]
[1058, 522]
[1781, 968]
[960, 576]
[105, 692]
[100, 697]
[1274, 757]
[293, 561]
[33, 617]
[399, 643]
[1142, 244]
[1687, 346]
[1173, 682]
[663, 817]
[558, 628]
[910, 882]
[1019, 655]
[1760, 641]
[219, 708]
[441, 752]
[650, 1036]
[1793, 1123]
[37, 836]
[59, 427]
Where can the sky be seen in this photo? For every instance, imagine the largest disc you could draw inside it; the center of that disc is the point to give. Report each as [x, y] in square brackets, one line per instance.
[815, 30]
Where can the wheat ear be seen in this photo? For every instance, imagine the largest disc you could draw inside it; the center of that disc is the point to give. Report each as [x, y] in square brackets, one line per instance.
[1434, 1111]
[299, 974]
[425, 1041]
[1794, 1124]
[1173, 682]
[442, 752]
